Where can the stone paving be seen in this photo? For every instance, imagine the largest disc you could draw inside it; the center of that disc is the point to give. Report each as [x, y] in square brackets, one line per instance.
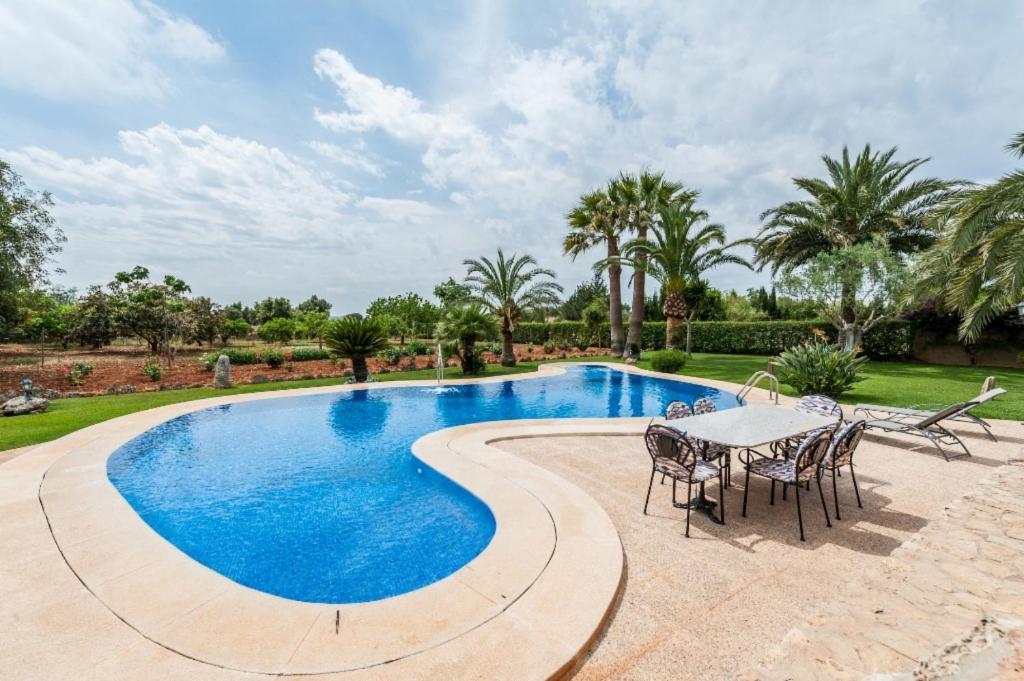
[965, 565]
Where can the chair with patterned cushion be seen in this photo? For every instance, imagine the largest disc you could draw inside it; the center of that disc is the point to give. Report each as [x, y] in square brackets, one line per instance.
[673, 455]
[840, 454]
[713, 451]
[677, 410]
[809, 404]
[802, 467]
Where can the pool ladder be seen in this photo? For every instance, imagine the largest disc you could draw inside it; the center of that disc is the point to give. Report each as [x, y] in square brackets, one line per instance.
[773, 385]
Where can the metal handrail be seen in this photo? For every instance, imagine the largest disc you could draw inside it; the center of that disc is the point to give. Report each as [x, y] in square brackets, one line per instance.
[773, 386]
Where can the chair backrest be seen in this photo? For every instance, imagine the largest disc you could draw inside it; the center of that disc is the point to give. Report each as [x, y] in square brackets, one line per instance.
[704, 406]
[819, 404]
[840, 452]
[677, 410]
[664, 442]
[951, 410]
[989, 395]
[811, 452]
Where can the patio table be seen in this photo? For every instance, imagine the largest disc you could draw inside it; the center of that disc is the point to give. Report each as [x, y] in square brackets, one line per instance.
[742, 428]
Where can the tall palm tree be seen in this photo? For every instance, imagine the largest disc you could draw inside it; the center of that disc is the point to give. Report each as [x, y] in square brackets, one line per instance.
[464, 326]
[591, 222]
[636, 201]
[681, 247]
[508, 287]
[977, 266]
[862, 200]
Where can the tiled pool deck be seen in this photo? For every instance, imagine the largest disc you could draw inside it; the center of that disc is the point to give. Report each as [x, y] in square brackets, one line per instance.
[87, 590]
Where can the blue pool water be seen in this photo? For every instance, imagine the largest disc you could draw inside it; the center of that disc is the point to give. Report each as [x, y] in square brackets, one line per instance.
[319, 498]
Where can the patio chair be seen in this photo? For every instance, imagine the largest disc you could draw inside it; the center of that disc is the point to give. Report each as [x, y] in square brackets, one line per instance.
[676, 410]
[882, 413]
[714, 451]
[672, 454]
[808, 404]
[840, 453]
[804, 465]
[929, 427]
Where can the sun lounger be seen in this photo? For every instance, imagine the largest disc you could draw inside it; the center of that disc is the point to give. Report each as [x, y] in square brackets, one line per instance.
[929, 427]
[910, 416]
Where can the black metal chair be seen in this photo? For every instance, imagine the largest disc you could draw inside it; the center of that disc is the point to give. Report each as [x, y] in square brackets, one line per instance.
[674, 455]
[713, 451]
[840, 453]
[804, 465]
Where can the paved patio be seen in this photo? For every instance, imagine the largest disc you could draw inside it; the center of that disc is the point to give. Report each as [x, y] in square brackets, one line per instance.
[726, 600]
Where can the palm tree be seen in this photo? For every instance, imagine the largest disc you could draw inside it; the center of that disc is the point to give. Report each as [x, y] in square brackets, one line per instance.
[508, 287]
[591, 223]
[357, 338]
[862, 200]
[635, 204]
[682, 246]
[977, 266]
[464, 326]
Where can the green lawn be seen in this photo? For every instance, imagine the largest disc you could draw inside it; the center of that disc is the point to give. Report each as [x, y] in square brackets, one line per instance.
[895, 383]
[900, 384]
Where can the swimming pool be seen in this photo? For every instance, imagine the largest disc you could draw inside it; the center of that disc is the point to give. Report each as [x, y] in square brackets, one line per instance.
[318, 498]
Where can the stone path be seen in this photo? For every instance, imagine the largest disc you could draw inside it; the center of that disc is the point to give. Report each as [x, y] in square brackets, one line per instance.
[965, 565]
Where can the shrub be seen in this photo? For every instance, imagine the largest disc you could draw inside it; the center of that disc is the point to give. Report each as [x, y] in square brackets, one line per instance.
[273, 358]
[357, 339]
[309, 354]
[817, 368]
[418, 348]
[492, 347]
[668, 361]
[391, 355]
[549, 347]
[152, 369]
[84, 368]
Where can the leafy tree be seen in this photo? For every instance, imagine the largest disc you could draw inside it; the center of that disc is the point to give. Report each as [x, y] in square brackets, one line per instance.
[271, 308]
[977, 267]
[29, 238]
[312, 325]
[507, 287]
[415, 316]
[450, 292]
[594, 317]
[595, 290]
[156, 313]
[207, 320]
[869, 199]
[593, 222]
[278, 330]
[239, 311]
[92, 322]
[464, 326]
[636, 201]
[356, 338]
[855, 287]
[44, 319]
[234, 328]
[681, 248]
[315, 304]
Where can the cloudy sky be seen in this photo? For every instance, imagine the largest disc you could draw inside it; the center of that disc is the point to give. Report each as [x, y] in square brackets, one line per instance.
[360, 149]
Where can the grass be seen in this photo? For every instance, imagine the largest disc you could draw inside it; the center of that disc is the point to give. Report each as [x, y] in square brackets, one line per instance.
[902, 384]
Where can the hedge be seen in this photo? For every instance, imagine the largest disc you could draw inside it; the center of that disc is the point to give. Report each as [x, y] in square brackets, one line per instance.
[239, 357]
[888, 340]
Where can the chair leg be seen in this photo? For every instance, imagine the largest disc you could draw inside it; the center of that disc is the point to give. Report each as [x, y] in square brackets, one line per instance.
[835, 493]
[673, 491]
[799, 513]
[772, 501]
[689, 495]
[663, 478]
[855, 489]
[824, 507]
[649, 486]
[746, 491]
[721, 496]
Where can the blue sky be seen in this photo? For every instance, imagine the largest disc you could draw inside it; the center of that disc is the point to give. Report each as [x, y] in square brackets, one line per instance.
[360, 149]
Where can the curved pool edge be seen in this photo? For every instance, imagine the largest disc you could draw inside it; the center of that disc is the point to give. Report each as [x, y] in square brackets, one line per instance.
[525, 584]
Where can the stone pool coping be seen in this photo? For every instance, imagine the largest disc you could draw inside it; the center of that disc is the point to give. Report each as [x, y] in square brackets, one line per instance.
[532, 601]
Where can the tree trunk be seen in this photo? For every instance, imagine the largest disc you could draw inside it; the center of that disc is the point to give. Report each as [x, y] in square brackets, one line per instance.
[673, 326]
[850, 337]
[469, 366]
[359, 369]
[847, 303]
[636, 313]
[508, 356]
[615, 301]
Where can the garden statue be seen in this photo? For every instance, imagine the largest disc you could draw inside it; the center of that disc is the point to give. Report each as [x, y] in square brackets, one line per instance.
[26, 385]
[25, 404]
[222, 373]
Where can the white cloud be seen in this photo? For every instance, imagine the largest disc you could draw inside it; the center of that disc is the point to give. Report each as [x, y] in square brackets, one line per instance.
[399, 210]
[350, 158]
[99, 49]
